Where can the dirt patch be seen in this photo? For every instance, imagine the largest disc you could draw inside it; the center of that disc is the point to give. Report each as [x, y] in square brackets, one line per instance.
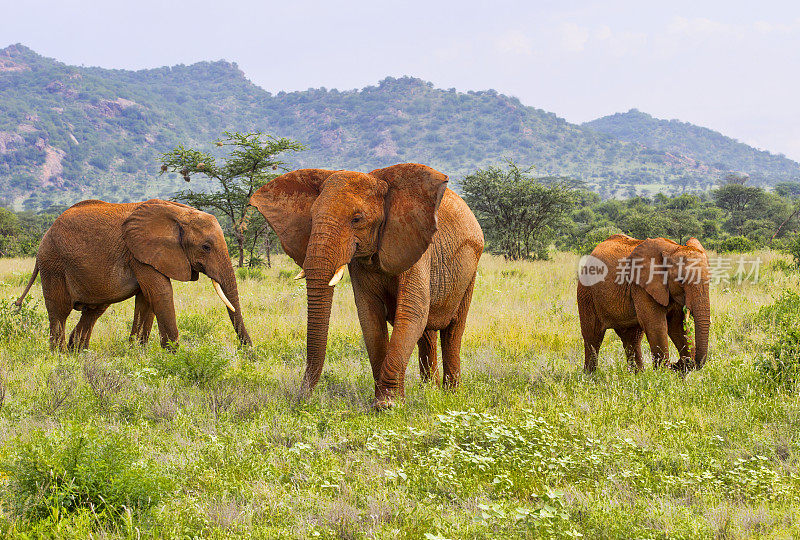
[7, 63]
[50, 173]
[8, 141]
[110, 108]
[387, 147]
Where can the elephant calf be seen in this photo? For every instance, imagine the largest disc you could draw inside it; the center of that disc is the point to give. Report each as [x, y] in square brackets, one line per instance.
[97, 253]
[641, 286]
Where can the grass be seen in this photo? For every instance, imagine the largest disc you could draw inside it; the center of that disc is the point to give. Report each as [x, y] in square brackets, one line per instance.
[123, 441]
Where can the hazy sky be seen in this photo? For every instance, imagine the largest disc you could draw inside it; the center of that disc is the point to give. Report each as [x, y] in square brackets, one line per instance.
[731, 66]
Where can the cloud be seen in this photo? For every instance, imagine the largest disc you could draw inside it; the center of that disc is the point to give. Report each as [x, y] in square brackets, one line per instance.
[618, 43]
[764, 27]
[514, 42]
[702, 27]
[573, 37]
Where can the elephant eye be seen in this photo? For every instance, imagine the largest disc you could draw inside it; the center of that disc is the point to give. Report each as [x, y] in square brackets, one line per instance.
[356, 219]
[207, 248]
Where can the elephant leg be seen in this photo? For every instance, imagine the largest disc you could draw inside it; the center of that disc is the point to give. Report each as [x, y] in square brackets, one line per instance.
[58, 305]
[372, 317]
[410, 320]
[451, 341]
[428, 370]
[79, 338]
[656, 333]
[632, 343]
[157, 291]
[592, 329]
[677, 333]
[142, 320]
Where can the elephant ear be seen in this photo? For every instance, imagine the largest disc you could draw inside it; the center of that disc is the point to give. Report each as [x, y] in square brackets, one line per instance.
[695, 243]
[412, 201]
[153, 234]
[285, 203]
[645, 265]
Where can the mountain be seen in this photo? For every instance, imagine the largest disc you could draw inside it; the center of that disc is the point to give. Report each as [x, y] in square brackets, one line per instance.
[69, 133]
[697, 143]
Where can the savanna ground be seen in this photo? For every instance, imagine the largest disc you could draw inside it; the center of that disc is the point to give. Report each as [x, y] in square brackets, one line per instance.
[211, 442]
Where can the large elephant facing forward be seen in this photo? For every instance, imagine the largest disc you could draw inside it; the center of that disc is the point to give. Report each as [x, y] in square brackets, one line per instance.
[97, 253]
[412, 247]
[642, 286]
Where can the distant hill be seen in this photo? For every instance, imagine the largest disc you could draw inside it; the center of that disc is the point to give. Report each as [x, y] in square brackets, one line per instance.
[69, 133]
[698, 143]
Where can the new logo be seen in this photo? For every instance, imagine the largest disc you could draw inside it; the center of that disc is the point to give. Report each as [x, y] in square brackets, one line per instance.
[591, 270]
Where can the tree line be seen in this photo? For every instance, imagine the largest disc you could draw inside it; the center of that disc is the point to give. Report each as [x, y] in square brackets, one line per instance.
[523, 216]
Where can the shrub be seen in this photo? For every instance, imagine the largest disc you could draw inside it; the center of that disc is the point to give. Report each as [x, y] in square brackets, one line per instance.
[783, 314]
[250, 272]
[20, 322]
[735, 244]
[197, 326]
[75, 468]
[200, 365]
[586, 243]
[792, 247]
[780, 265]
[782, 365]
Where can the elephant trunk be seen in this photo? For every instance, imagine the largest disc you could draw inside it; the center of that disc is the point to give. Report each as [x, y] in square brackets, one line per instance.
[227, 283]
[327, 252]
[320, 298]
[701, 313]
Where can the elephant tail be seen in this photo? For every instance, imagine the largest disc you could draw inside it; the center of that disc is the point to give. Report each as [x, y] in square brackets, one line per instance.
[31, 281]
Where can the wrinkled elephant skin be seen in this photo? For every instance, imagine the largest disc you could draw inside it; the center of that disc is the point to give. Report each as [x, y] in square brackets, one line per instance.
[97, 253]
[641, 286]
[412, 247]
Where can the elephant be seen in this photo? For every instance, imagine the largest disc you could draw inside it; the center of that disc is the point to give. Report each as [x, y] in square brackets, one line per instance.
[412, 248]
[642, 286]
[97, 253]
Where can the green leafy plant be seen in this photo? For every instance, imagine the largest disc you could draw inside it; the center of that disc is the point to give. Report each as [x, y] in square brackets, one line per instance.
[20, 322]
[783, 314]
[735, 244]
[200, 365]
[782, 365]
[77, 467]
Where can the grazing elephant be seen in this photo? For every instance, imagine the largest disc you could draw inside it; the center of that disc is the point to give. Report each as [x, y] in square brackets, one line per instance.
[412, 247]
[97, 253]
[642, 286]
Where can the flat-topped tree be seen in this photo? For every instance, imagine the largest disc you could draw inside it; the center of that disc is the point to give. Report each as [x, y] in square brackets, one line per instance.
[249, 164]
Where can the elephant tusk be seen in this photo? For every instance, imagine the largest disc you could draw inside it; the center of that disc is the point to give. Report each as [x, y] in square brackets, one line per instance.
[337, 277]
[301, 275]
[218, 290]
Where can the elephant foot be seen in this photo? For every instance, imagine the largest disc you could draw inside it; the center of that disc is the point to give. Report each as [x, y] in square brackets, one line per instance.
[682, 366]
[387, 400]
[381, 405]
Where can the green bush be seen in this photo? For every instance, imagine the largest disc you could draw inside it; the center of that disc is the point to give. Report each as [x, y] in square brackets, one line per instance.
[250, 272]
[792, 247]
[200, 365]
[17, 323]
[75, 468]
[782, 365]
[197, 326]
[586, 243]
[783, 314]
[735, 244]
[780, 265]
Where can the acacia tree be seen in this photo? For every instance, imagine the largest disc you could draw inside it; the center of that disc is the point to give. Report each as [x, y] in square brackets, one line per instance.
[519, 213]
[249, 164]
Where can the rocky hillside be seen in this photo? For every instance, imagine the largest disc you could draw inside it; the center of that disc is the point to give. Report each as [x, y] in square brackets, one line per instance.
[697, 143]
[68, 133]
